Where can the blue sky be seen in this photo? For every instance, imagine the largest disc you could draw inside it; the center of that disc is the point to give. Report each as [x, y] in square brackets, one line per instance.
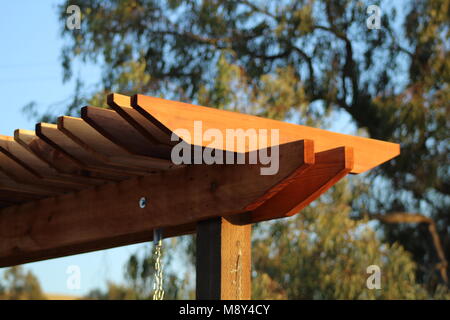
[30, 70]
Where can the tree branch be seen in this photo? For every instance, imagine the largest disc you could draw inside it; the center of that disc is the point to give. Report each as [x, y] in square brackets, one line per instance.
[397, 45]
[349, 70]
[405, 217]
[258, 9]
[310, 68]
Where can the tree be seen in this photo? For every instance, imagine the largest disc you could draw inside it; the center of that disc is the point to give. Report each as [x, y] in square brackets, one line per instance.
[19, 284]
[298, 60]
[332, 254]
[112, 292]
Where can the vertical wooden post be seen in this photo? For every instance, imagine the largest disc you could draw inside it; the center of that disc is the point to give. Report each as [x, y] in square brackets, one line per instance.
[223, 260]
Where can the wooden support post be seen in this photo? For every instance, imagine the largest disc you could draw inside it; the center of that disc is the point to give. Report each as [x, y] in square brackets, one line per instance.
[223, 260]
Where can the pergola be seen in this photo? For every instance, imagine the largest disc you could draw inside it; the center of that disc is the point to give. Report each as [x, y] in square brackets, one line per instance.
[107, 179]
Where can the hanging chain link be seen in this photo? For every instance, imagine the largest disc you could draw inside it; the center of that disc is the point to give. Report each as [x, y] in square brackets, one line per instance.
[158, 293]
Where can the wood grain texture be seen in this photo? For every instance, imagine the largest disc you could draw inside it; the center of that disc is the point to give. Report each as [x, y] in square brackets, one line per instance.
[107, 151]
[172, 115]
[223, 260]
[236, 253]
[80, 156]
[122, 105]
[20, 173]
[8, 197]
[89, 246]
[307, 162]
[7, 184]
[38, 171]
[12, 192]
[15, 170]
[113, 127]
[111, 211]
[329, 167]
[65, 166]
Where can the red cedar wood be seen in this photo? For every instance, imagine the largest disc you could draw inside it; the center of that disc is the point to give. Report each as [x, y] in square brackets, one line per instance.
[14, 167]
[88, 217]
[105, 150]
[171, 115]
[79, 155]
[7, 184]
[330, 166]
[122, 105]
[113, 127]
[224, 260]
[63, 165]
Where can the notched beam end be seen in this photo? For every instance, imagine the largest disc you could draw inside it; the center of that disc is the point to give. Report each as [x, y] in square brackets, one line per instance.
[137, 102]
[120, 100]
[329, 167]
[304, 149]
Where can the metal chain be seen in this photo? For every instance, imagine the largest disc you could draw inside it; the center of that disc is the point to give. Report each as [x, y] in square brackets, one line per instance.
[158, 293]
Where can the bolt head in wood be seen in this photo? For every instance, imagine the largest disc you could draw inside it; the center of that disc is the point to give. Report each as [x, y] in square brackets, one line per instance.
[142, 202]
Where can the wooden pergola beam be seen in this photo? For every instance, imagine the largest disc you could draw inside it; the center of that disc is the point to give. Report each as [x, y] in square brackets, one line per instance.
[122, 105]
[64, 167]
[368, 153]
[77, 186]
[60, 225]
[65, 147]
[328, 168]
[116, 129]
[223, 262]
[106, 150]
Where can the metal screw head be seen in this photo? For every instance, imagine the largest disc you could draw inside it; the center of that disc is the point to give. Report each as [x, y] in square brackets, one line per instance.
[142, 202]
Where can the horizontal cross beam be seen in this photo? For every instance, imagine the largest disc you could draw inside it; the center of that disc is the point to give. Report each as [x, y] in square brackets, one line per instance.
[109, 215]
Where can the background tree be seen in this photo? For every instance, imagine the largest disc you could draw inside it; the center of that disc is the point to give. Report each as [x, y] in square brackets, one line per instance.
[19, 284]
[332, 254]
[113, 292]
[305, 61]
